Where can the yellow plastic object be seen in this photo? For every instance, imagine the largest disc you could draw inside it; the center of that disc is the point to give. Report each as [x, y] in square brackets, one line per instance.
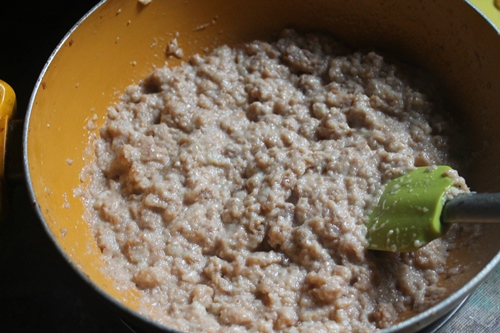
[122, 40]
[7, 110]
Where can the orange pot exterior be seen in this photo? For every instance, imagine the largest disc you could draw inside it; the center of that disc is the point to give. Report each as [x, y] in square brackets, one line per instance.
[121, 41]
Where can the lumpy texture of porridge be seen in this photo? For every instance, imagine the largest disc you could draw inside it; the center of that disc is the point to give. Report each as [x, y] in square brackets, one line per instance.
[232, 190]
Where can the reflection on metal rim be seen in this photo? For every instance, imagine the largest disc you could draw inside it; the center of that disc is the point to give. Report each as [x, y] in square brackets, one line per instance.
[434, 327]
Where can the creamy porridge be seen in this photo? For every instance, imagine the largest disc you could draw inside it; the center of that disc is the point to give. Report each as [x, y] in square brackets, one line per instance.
[232, 190]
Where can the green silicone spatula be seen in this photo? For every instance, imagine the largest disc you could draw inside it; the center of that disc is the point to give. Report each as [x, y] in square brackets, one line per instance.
[413, 210]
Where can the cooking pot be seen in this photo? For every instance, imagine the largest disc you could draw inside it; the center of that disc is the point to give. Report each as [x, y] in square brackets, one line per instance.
[118, 42]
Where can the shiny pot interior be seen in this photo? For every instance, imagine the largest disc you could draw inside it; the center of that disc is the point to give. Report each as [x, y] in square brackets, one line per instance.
[120, 41]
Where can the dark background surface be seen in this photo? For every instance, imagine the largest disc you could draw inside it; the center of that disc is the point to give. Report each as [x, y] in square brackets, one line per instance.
[38, 292]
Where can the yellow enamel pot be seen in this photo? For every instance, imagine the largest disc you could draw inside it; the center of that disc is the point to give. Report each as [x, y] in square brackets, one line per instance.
[120, 41]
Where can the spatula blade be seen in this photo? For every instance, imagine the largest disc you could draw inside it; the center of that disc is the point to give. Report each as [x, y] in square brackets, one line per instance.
[409, 210]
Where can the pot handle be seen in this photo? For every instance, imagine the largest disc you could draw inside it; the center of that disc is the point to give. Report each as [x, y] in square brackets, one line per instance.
[7, 109]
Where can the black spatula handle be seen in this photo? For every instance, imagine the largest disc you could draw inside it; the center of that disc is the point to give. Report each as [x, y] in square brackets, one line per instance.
[472, 208]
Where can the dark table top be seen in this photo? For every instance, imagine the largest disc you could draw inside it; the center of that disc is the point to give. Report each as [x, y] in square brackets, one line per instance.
[38, 292]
